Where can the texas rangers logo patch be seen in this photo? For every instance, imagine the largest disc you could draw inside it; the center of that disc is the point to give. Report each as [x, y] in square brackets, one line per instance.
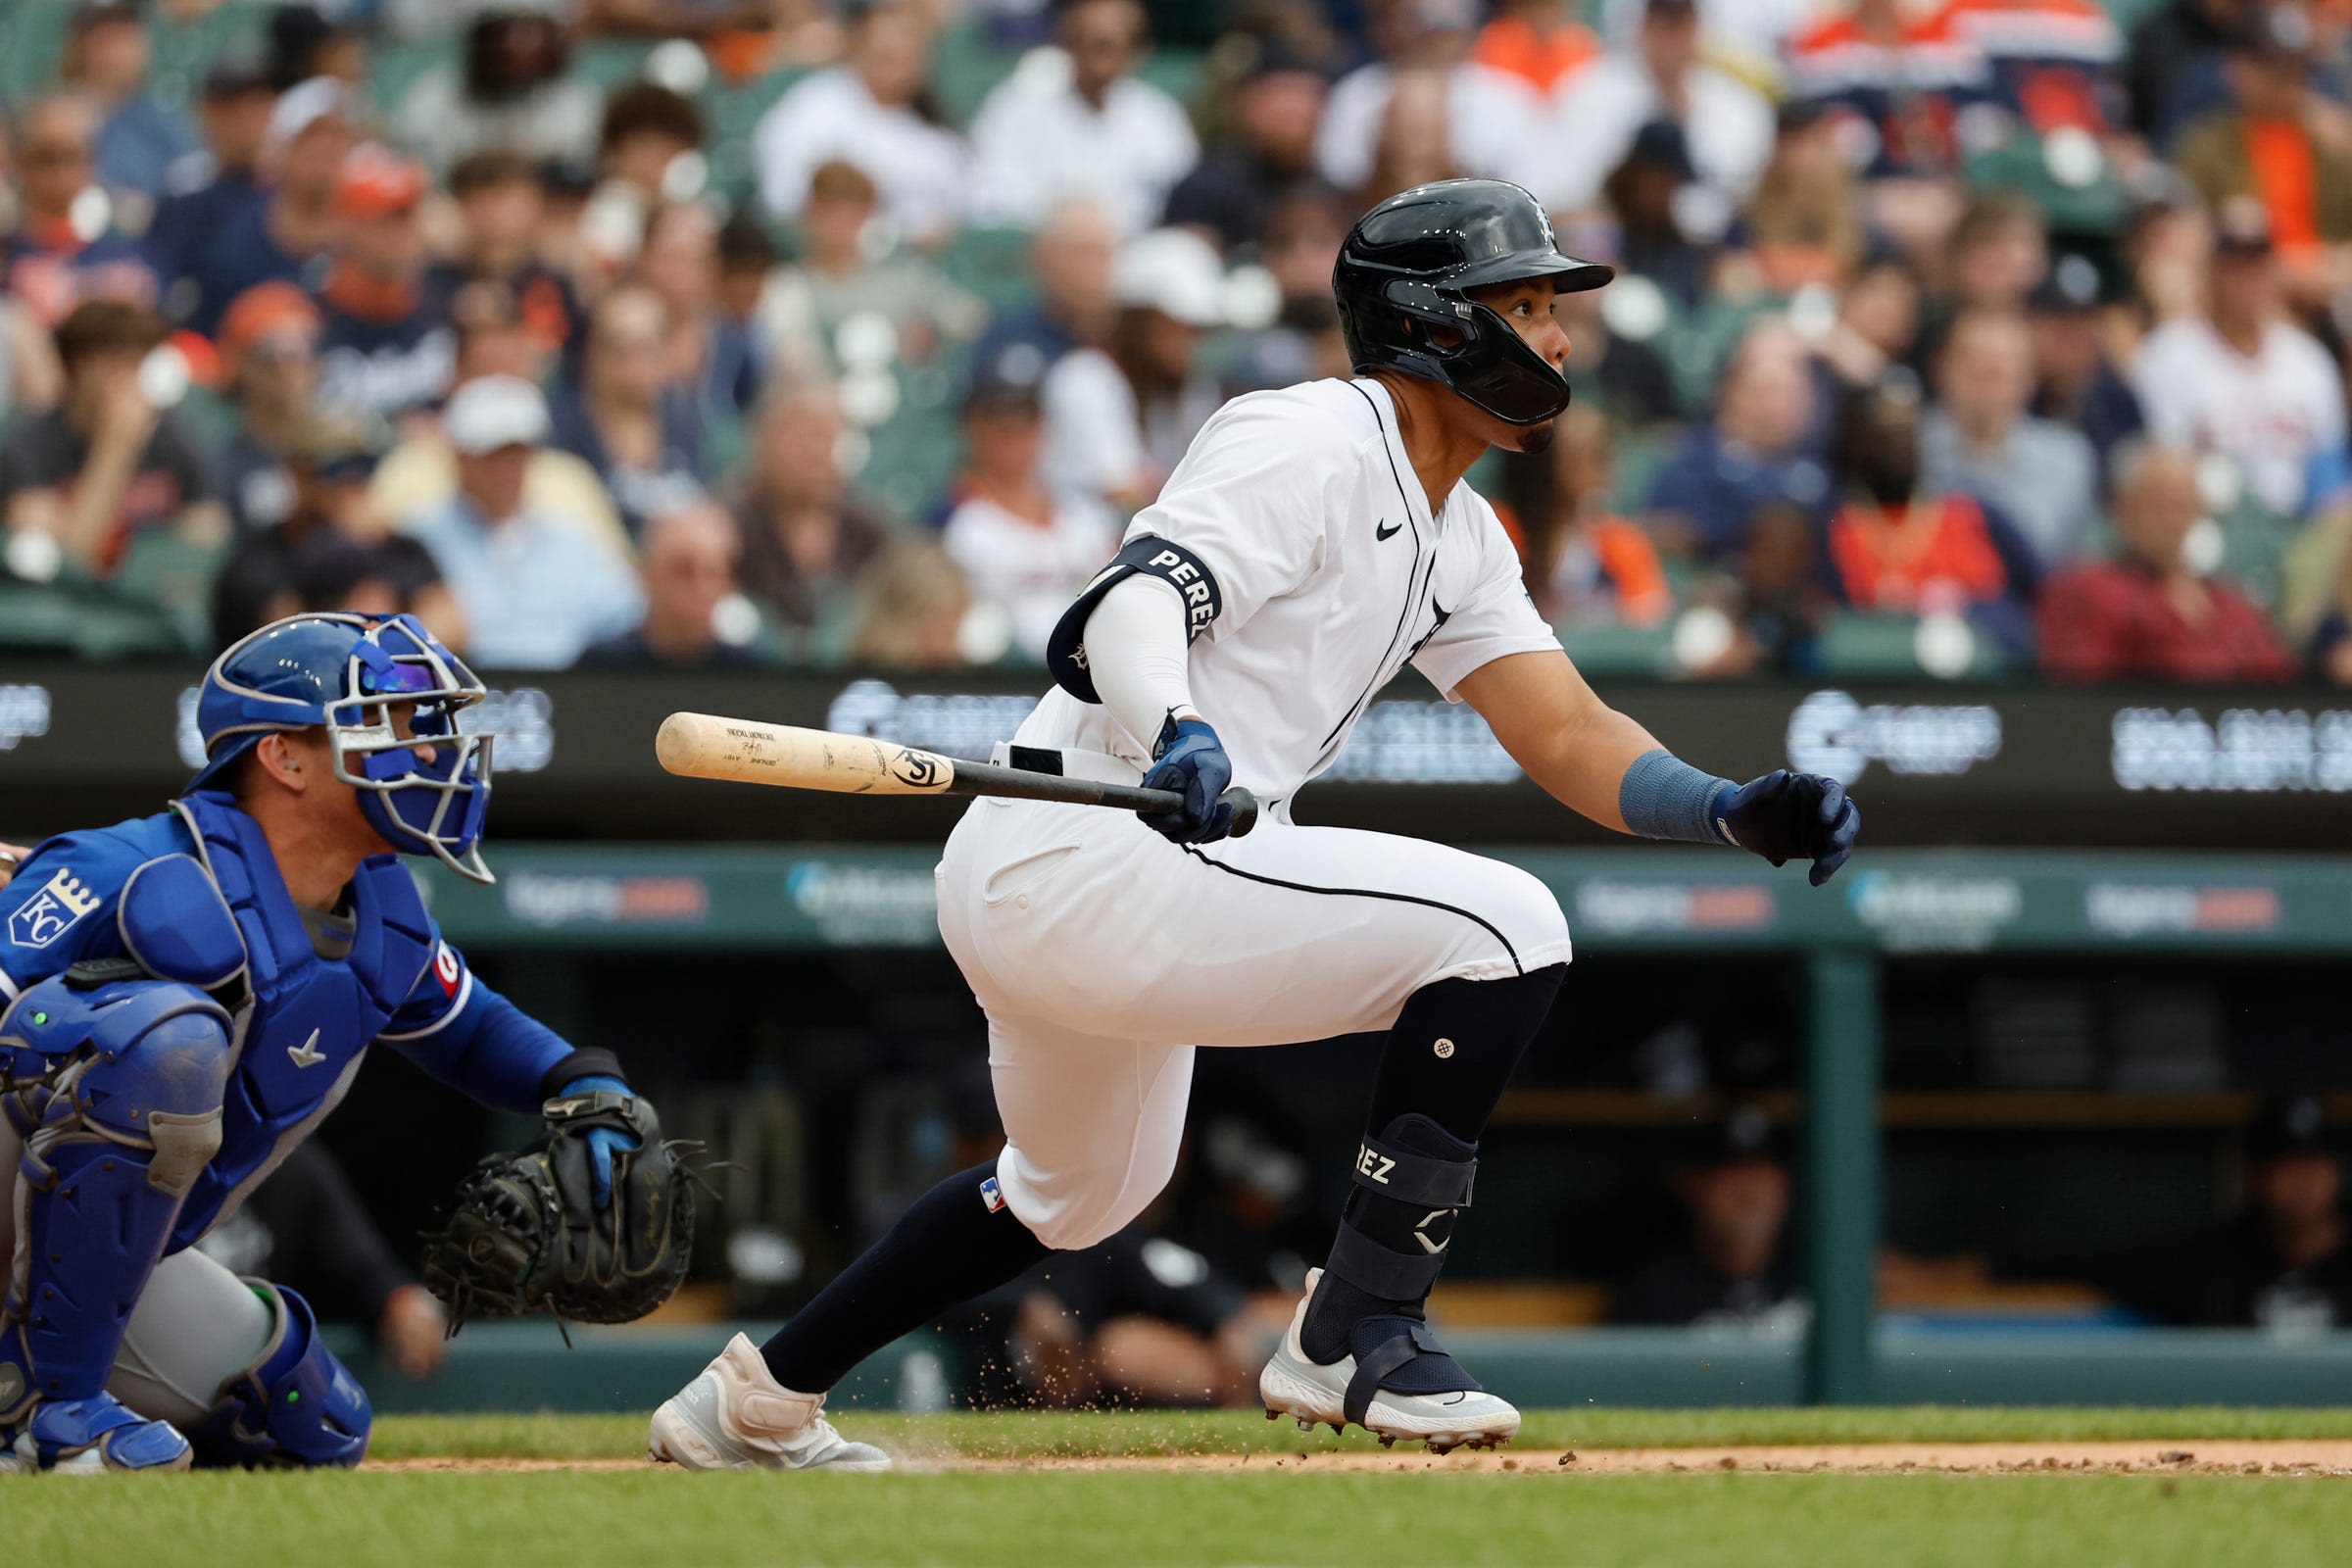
[51, 912]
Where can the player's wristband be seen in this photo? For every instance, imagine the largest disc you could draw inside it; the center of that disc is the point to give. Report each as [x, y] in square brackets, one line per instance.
[1664, 797]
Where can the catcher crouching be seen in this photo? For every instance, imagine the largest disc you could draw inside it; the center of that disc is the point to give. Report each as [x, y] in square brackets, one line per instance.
[187, 996]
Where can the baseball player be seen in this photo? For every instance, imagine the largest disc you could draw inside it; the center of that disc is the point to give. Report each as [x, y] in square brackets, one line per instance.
[1312, 542]
[187, 995]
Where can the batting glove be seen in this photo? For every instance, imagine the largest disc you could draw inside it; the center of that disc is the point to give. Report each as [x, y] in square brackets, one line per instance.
[1191, 760]
[1785, 816]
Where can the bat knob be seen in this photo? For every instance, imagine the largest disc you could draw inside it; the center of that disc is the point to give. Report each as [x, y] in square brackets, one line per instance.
[1245, 809]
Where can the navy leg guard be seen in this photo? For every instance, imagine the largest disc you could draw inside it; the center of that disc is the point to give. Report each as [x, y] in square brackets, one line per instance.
[116, 1087]
[1368, 1303]
[295, 1407]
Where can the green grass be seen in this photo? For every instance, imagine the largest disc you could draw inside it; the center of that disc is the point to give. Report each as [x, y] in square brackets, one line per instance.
[1043, 1520]
[1262, 1514]
[1017, 1435]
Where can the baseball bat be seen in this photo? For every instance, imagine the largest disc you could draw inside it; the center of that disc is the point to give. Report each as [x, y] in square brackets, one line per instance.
[744, 750]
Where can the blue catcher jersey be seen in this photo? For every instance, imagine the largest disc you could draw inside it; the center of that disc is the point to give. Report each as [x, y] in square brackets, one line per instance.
[321, 990]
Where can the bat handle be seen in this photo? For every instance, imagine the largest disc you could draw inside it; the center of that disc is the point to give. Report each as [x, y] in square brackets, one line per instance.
[1245, 809]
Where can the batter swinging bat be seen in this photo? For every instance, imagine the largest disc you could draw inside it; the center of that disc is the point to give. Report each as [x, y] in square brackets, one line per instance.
[745, 752]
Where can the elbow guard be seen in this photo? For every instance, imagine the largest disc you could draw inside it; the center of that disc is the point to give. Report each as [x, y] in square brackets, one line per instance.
[1171, 563]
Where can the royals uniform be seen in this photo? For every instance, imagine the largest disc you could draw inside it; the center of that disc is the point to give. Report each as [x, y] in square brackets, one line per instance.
[320, 991]
[1313, 570]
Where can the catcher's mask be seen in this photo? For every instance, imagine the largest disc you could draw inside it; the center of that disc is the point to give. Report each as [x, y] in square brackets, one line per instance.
[346, 674]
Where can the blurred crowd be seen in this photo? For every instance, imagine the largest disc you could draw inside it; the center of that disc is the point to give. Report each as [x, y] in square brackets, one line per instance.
[1962, 338]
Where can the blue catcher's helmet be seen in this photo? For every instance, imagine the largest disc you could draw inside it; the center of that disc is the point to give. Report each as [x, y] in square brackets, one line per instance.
[346, 674]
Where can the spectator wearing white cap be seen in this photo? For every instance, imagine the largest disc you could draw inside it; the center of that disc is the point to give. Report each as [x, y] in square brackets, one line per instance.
[287, 235]
[536, 589]
[1073, 123]
[1493, 119]
[1120, 417]
[874, 111]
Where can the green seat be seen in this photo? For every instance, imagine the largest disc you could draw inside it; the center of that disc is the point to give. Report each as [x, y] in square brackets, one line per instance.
[395, 67]
[993, 263]
[2097, 207]
[32, 38]
[1860, 646]
[163, 570]
[609, 61]
[37, 619]
[964, 70]
[1605, 651]
[86, 620]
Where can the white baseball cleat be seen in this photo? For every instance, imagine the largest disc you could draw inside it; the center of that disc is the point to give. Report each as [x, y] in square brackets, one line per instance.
[1318, 1392]
[736, 1416]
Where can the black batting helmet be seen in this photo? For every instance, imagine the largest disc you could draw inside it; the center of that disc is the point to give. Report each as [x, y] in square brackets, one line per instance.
[1403, 279]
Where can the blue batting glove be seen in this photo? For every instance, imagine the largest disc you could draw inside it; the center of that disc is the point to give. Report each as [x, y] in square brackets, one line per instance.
[602, 1141]
[1785, 816]
[1191, 760]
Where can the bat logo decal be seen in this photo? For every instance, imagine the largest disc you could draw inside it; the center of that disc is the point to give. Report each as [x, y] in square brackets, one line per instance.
[919, 769]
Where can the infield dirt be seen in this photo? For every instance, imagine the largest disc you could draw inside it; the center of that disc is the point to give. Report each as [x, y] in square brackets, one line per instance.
[2231, 1456]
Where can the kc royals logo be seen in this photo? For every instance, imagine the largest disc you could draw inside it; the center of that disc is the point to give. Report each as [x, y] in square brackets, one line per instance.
[51, 912]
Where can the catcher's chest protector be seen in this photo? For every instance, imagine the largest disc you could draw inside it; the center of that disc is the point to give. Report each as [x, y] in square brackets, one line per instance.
[310, 1018]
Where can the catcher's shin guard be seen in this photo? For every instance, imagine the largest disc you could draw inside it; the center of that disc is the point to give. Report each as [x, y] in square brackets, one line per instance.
[1359, 1349]
[296, 1406]
[736, 1416]
[114, 1086]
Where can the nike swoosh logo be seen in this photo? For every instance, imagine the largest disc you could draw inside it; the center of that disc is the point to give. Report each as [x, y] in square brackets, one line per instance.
[1388, 532]
[307, 1055]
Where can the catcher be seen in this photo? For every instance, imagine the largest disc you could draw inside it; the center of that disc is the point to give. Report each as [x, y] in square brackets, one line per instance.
[187, 996]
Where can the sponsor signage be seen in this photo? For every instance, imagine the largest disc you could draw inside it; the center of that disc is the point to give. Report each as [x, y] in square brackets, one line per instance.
[2241, 751]
[1641, 906]
[555, 901]
[1926, 912]
[1836, 733]
[23, 714]
[865, 906]
[2128, 909]
[2012, 765]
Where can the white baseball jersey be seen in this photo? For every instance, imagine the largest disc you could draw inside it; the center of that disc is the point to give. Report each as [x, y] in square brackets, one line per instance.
[1316, 574]
[1312, 571]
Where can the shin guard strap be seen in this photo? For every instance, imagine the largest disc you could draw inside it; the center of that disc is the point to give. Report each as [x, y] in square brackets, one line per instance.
[1383, 1361]
[1391, 1170]
[1375, 1270]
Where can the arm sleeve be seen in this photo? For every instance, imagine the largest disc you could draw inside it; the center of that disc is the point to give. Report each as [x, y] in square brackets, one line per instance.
[1139, 654]
[1497, 620]
[457, 1029]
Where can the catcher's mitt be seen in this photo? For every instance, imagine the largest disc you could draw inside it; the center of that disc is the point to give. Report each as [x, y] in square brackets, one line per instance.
[525, 1237]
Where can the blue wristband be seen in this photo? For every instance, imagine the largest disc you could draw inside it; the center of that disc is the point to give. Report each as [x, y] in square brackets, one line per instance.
[1664, 797]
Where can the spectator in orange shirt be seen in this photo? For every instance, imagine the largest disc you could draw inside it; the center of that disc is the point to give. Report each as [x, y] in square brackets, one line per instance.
[1585, 564]
[1897, 549]
[1539, 41]
[2280, 142]
[2150, 615]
